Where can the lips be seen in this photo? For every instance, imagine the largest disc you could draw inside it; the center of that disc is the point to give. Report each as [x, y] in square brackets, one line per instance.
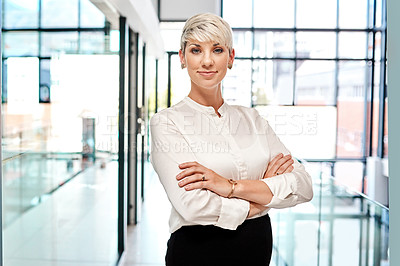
[207, 73]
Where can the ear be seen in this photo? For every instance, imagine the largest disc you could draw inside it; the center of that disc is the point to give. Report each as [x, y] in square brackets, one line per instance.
[231, 57]
[182, 57]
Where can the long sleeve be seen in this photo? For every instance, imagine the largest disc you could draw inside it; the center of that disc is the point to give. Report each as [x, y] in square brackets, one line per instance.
[288, 189]
[169, 148]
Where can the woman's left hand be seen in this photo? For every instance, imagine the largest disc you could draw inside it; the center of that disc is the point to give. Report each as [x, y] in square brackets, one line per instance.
[196, 176]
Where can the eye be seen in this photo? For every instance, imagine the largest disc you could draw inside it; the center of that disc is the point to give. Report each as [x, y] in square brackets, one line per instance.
[195, 51]
[219, 50]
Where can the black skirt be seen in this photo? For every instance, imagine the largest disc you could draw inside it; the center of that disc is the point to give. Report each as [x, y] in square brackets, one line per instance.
[249, 245]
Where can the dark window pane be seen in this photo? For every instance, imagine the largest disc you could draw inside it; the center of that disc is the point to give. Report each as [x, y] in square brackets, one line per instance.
[353, 14]
[21, 43]
[316, 44]
[238, 13]
[352, 81]
[92, 43]
[352, 45]
[4, 82]
[237, 83]
[21, 14]
[59, 14]
[273, 82]
[273, 44]
[316, 14]
[45, 81]
[385, 131]
[273, 14]
[59, 42]
[242, 42]
[315, 82]
[91, 16]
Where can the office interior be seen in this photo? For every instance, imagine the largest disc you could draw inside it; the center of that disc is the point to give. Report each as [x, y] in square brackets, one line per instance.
[80, 80]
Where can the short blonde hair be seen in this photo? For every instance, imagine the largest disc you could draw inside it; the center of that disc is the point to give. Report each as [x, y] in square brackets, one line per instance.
[206, 27]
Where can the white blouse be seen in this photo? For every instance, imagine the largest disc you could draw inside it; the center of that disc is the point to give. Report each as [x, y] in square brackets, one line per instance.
[238, 145]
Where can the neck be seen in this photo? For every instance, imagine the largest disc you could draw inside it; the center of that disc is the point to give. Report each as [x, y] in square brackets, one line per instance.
[208, 97]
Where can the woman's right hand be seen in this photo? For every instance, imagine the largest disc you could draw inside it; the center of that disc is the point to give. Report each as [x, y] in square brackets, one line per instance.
[255, 209]
[279, 165]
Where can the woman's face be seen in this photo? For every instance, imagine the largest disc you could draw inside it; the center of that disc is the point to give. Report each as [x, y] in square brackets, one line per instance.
[207, 63]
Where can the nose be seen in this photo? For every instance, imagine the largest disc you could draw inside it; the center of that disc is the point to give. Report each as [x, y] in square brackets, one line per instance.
[207, 60]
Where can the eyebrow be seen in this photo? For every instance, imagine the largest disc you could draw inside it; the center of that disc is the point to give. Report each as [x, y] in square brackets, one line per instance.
[198, 45]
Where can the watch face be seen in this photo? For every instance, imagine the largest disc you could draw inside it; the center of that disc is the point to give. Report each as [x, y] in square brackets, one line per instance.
[44, 94]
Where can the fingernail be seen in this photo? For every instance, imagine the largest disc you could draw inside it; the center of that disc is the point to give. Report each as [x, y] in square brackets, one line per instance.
[180, 184]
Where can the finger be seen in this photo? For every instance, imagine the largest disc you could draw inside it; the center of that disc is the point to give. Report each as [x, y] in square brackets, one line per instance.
[279, 163]
[191, 179]
[195, 185]
[289, 169]
[283, 167]
[188, 164]
[189, 171]
[274, 160]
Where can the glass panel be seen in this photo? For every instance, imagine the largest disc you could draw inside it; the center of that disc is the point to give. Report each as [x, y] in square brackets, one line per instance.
[92, 42]
[316, 44]
[163, 83]
[273, 82]
[353, 14]
[352, 78]
[273, 14]
[273, 44]
[316, 14]
[238, 13]
[59, 42]
[237, 83]
[21, 14]
[51, 208]
[242, 43]
[315, 82]
[370, 42]
[180, 81]
[53, 18]
[151, 84]
[21, 44]
[309, 132]
[171, 33]
[91, 16]
[374, 103]
[352, 45]
[378, 13]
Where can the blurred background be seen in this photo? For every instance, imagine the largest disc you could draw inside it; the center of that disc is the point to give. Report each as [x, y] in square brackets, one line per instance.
[80, 80]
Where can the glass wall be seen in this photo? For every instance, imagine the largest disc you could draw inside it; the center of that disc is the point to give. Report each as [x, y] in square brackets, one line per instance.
[322, 55]
[59, 133]
[317, 71]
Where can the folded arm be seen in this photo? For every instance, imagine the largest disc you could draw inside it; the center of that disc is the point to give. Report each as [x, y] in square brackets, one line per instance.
[169, 149]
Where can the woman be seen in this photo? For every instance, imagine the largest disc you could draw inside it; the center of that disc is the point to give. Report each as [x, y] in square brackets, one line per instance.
[221, 165]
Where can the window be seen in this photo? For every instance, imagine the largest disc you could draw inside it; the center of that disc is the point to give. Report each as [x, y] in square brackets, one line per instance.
[312, 53]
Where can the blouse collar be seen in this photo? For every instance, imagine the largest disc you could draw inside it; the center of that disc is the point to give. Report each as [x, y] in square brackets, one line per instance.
[206, 109]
